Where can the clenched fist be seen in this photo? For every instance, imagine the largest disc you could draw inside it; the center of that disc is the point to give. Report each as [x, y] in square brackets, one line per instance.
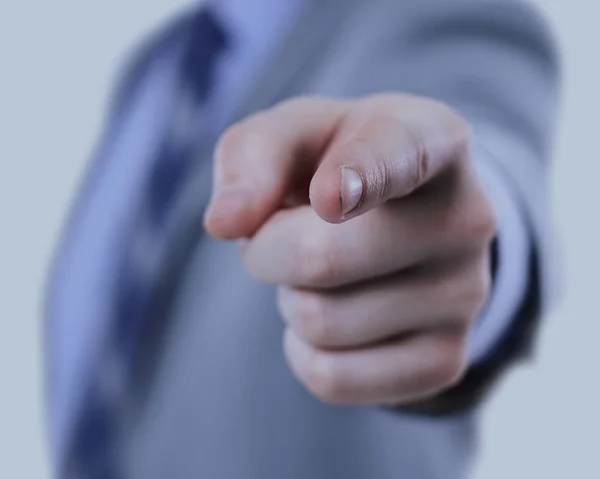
[370, 218]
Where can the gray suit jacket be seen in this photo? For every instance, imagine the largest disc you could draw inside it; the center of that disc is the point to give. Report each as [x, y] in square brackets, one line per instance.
[219, 401]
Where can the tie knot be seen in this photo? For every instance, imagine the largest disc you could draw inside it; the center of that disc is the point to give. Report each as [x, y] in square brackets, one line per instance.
[206, 40]
[207, 29]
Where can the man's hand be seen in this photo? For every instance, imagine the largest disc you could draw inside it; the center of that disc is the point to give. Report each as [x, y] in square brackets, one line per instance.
[369, 216]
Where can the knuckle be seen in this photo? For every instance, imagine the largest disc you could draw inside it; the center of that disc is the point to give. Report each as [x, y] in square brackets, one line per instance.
[243, 139]
[231, 141]
[413, 160]
[458, 131]
[482, 286]
[474, 294]
[461, 137]
[324, 379]
[475, 223]
[449, 365]
[316, 259]
[313, 321]
[418, 161]
[380, 162]
[483, 225]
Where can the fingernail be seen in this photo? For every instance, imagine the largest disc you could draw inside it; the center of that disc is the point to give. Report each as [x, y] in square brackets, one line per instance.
[351, 191]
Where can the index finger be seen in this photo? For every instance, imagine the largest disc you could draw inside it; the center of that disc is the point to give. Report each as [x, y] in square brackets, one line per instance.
[259, 160]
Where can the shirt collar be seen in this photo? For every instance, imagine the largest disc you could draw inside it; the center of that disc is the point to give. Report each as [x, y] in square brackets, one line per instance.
[255, 24]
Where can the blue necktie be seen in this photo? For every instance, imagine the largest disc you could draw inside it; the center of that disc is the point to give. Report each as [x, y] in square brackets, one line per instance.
[108, 403]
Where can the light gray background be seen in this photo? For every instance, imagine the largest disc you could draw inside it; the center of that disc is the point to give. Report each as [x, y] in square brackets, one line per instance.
[57, 60]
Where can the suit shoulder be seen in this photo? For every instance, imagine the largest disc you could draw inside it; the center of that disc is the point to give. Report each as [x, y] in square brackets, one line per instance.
[516, 14]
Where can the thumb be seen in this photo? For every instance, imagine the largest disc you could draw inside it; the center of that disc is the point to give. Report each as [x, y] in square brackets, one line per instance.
[386, 157]
[259, 161]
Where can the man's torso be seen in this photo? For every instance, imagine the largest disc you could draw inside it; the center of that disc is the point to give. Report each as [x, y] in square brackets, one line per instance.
[223, 403]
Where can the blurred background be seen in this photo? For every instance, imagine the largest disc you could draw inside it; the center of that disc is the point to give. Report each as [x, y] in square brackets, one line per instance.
[58, 60]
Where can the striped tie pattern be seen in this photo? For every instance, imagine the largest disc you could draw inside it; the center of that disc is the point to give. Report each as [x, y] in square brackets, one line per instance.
[108, 402]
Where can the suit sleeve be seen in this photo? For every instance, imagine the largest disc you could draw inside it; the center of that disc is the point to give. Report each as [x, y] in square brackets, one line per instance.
[496, 63]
